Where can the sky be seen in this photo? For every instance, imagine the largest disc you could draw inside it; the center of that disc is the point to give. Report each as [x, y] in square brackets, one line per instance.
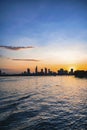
[46, 33]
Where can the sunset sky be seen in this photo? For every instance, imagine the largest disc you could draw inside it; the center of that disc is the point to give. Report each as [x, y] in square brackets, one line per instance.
[46, 33]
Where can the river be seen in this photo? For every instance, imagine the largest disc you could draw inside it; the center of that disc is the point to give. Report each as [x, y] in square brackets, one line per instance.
[43, 103]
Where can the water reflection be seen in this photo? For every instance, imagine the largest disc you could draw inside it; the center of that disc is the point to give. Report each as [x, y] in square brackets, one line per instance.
[49, 102]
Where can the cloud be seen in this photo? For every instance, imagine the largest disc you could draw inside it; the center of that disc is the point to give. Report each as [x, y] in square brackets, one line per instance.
[26, 60]
[35, 60]
[14, 48]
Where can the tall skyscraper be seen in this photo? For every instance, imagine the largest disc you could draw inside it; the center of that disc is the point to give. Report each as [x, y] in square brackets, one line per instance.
[41, 70]
[36, 70]
[28, 71]
[45, 70]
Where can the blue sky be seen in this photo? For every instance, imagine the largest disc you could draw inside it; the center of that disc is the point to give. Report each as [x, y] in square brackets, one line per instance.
[38, 19]
[51, 26]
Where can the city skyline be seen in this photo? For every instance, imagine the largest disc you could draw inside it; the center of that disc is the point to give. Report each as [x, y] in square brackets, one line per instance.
[48, 72]
[46, 33]
[42, 71]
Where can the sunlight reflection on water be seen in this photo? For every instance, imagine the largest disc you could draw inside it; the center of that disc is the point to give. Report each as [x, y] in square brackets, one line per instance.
[43, 103]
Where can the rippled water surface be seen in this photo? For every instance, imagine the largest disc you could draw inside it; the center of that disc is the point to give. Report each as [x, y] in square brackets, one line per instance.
[43, 103]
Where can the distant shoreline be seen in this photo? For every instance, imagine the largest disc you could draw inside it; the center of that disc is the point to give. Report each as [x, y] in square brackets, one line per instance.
[19, 75]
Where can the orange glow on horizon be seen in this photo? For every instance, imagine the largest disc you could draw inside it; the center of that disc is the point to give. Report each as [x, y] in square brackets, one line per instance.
[55, 68]
[21, 66]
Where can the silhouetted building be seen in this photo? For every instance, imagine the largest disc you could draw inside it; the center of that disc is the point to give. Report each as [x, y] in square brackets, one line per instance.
[71, 72]
[62, 72]
[36, 70]
[48, 71]
[41, 70]
[80, 74]
[0, 72]
[45, 71]
[28, 71]
[25, 72]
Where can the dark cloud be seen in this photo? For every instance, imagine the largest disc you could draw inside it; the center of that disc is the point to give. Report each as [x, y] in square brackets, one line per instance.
[26, 60]
[2, 56]
[16, 48]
